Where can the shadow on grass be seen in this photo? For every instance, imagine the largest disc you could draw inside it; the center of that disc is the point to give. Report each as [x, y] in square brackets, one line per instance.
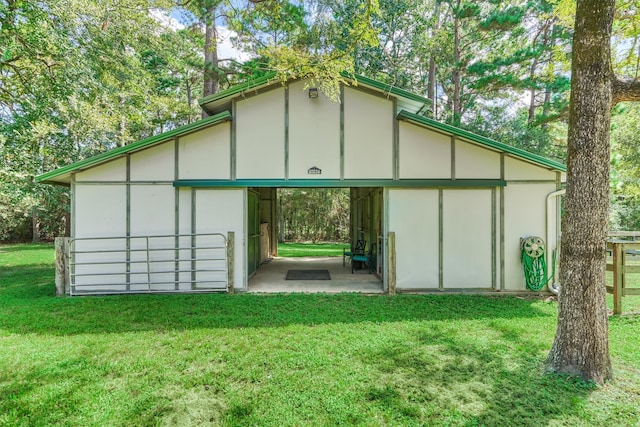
[27, 305]
[453, 378]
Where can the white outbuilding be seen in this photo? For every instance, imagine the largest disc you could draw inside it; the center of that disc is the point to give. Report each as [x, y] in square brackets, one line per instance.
[443, 209]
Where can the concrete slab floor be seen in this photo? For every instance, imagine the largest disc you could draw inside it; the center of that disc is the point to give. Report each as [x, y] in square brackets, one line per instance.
[270, 277]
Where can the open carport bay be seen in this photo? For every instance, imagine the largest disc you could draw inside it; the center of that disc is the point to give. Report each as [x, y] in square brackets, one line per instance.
[270, 277]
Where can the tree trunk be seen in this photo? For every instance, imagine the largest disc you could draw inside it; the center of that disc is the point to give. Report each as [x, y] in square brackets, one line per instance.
[550, 38]
[281, 220]
[35, 226]
[189, 96]
[211, 77]
[455, 75]
[581, 345]
[431, 88]
[123, 124]
[67, 224]
[532, 102]
[546, 107]
[532, 108]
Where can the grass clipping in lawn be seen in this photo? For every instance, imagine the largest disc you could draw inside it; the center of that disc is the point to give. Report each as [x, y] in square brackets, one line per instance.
[290, 360]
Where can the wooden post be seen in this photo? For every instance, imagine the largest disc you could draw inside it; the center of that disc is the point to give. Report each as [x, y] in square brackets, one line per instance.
[230, 260]
[62, 247]
[618, 276]
[392, 263]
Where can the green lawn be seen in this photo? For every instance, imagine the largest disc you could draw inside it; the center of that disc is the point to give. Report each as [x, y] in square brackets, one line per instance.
[290, 360]
[311, 249]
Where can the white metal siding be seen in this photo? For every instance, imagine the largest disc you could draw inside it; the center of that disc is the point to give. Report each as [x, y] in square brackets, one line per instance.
[413, 216]
[515, 169]
[152, 210]
[314, 134]
[184, 227]
[424, 154]
[220, 211]
[153, 214]
[205, 154]
[260, 137]
[524, 216]
[467, 239]
[474, 162]
[154, 164]
[100, 212]
[115, 170]
[368, 135]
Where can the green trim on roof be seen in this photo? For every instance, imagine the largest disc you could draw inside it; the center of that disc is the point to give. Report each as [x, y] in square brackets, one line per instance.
[234, 90]
[386, 88]
[116, 152]
[338, 183]
[482, 140]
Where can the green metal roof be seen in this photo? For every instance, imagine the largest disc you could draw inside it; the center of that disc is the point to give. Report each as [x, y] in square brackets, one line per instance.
[210, 102]
[421, 101]
[482, 140]
[62, 174]
[221, 101]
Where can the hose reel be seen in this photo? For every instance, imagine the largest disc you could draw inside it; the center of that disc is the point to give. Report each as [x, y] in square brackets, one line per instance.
[533, 247]
[534, 262]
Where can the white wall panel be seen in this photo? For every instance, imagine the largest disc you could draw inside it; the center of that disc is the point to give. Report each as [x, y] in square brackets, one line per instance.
[220, 211]
[184, 219]
[424, 154]
[206, 154]
[154, 164]
[260, 136]
[368, 135]
[467, 239]
[153, 214]
[314, 134]
[524, 206]
[413, 216]
[152, 210]
[115, 170]
[519, 170]
[474, 162]
[100, 211]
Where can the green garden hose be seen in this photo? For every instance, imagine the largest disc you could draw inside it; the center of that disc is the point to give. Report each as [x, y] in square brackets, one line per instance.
[535, 264]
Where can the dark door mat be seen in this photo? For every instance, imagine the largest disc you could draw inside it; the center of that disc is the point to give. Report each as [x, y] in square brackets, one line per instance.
[308, 275]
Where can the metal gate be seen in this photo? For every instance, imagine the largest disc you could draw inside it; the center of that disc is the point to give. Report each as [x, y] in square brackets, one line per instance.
[149, 264]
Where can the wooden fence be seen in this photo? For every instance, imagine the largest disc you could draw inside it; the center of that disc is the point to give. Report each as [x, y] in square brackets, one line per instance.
[624, 246]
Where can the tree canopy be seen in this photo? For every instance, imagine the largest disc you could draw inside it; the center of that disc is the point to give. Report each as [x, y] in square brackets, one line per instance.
[80, 77]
